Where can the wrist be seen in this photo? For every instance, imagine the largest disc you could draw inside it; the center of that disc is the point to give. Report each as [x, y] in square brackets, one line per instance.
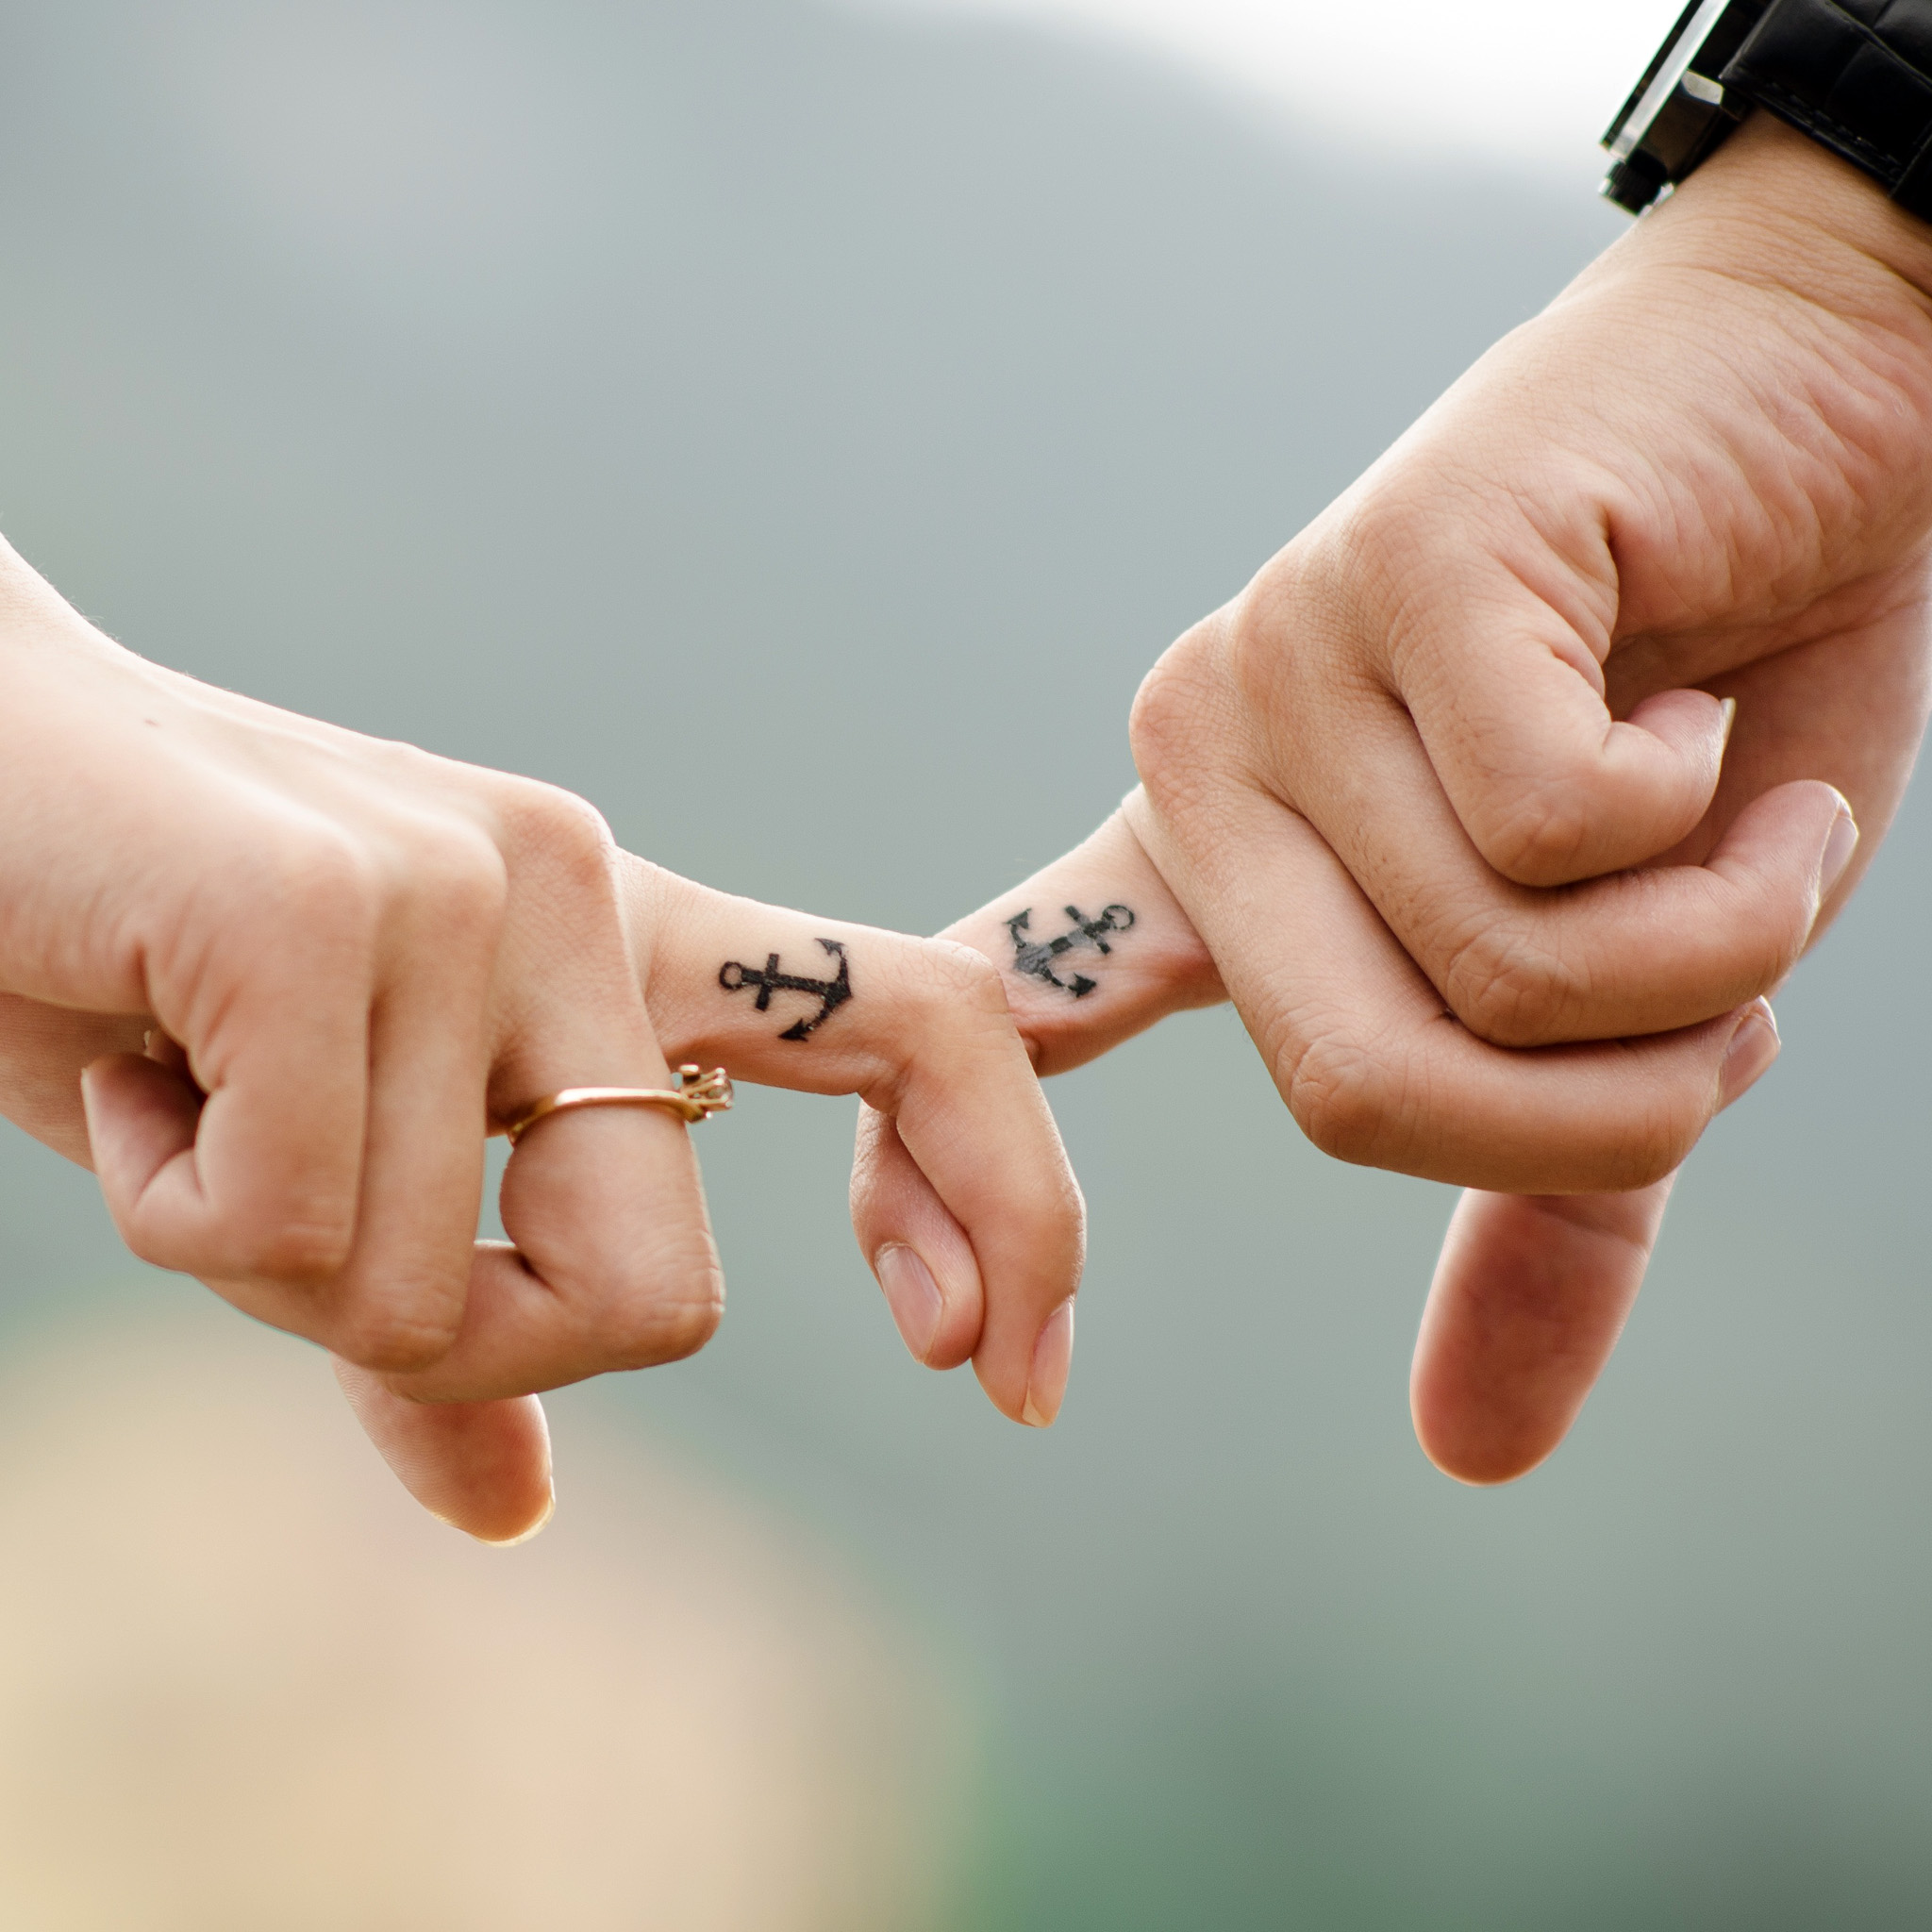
[1776, 207]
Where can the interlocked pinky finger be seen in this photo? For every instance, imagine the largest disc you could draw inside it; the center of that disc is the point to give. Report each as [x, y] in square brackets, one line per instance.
[981, 1253]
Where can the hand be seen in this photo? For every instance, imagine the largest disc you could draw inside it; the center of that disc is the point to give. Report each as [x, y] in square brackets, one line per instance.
[1399, 783]
[305, 971]
[302, 970]
[1531, 1292]
[1389, 778]
[1090, 951]
[919, 1029]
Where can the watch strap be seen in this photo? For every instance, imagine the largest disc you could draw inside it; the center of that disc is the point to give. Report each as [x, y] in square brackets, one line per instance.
[1854, 74]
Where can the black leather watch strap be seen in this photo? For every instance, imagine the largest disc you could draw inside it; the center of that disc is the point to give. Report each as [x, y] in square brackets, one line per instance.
[1854, 74]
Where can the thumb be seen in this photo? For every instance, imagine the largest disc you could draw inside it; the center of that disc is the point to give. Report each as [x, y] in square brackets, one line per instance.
[1530, 1294]
[1529, 1298]
[481, 1467]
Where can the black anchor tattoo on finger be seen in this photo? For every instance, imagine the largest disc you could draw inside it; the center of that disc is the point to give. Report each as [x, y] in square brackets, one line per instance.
[734, 976]
[1036, 958]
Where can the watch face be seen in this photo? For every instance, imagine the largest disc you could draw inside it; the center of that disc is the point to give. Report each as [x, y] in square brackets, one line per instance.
[1679, 111]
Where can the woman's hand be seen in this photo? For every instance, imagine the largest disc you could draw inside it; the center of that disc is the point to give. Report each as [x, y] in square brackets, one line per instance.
[985, 1271]
[274, 982]
[304, 971]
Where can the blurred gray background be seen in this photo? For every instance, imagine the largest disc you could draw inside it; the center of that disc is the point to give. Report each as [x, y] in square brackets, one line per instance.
[797, 429]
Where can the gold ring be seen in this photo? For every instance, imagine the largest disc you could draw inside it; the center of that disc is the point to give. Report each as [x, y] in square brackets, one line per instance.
[696, 1098]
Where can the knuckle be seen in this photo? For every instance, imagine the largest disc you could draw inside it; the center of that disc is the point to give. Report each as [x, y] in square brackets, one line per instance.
[667, 1304]
[1268, 632]
[326, 883]
[1341, 1097]
[1655, 1143]
[955, 977]
[393, 1341]
[307, 1250]
[567, 832]
[460, 878]
[1661, 1151]
[1257, 642]
[1179, 701]
[1537, 835]
[1505, 989]
[1256, 683]
[949, 1020]
[685, 1326]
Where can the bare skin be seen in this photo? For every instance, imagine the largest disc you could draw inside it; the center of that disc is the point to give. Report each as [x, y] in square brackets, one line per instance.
[275, 982]
[1444, 802]
[1452, 799]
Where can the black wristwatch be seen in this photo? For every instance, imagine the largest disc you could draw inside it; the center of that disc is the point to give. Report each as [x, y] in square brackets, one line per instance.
[1854, 74]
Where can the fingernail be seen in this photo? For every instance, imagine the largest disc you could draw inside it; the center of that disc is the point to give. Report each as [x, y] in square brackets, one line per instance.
[1729, 707]
[1053, 1356]
[1839, 848]
[912, 1295]
[1753, 1048]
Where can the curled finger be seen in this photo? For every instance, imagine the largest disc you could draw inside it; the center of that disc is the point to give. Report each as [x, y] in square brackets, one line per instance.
[1373, 1067]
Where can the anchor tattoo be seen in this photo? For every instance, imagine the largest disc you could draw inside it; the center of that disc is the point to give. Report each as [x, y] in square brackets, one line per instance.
[830, 994]
[1033, 957]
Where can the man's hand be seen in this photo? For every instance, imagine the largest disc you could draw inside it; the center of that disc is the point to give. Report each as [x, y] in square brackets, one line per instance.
[1531, 1292]
[1647, 589]
[1399, 783]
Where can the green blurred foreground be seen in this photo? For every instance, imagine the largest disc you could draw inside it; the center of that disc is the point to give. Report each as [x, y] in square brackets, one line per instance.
[797, 430]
